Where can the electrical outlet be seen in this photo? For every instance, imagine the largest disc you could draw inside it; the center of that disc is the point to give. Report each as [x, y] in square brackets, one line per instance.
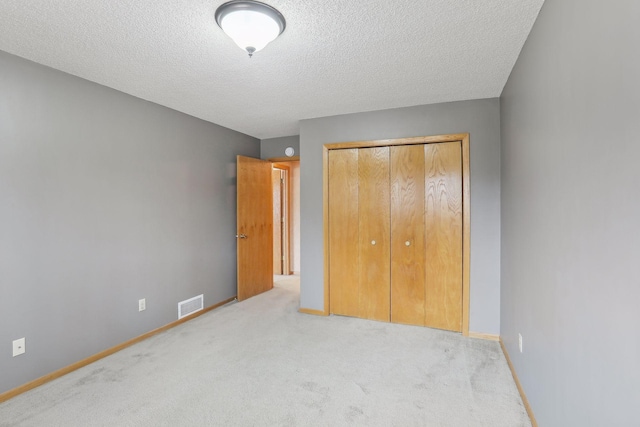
[142, 304]
[520, 342]
[18, 347]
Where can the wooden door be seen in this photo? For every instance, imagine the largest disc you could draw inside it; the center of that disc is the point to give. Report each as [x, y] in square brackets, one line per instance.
[407, 234]
[374, 233]
[343, 232]
[410, 197]
[255, 227]
[443, 220]
[276, 183]
[395, 233]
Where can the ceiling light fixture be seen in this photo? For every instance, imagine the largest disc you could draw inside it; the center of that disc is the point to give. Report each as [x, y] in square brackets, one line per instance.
[251, 24]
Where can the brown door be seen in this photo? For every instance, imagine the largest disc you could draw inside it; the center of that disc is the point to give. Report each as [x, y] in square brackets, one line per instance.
[396, 245]
[443, 214]
[374, 231]
[407, 234]
[255, 227]
[359, 232]
[343, 232]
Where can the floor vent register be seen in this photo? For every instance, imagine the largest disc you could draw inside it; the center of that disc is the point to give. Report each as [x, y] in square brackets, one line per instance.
[190, 306]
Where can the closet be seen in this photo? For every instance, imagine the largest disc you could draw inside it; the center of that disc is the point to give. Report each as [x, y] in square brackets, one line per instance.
[396, 223]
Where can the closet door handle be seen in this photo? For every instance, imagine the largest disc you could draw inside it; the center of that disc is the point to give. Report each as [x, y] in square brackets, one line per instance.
[407, 243]
[373, 242]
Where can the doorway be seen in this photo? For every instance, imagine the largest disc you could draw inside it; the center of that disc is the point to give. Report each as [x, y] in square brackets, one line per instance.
[286, 216]
[255, 231]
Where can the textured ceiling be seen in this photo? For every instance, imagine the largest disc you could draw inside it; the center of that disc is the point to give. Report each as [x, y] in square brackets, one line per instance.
[335, 56]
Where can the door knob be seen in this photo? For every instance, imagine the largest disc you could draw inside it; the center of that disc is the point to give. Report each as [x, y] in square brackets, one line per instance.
[407, 243]
[373, 242]
[241, 236]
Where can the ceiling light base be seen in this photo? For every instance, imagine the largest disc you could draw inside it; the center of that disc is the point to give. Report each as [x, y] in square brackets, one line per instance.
[251, 24]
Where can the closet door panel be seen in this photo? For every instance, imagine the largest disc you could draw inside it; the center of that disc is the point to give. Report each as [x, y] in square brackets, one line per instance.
[343, 232]
[374, 231]
[407, 234]
[443, 211]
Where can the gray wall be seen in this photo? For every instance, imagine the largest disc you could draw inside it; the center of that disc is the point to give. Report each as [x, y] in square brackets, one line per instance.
[570, 212]
[104, 199]
[481, 118]
[274, 147]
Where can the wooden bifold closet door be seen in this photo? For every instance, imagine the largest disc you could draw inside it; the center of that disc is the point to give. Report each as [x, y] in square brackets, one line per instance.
[344, 243]
[443, 226]
[407, 234]
[395, 234]
[373, 202]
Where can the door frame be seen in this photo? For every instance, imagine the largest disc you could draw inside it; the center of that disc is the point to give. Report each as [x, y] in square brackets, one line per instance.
[282, 163]
[285, 213]
[466, 203]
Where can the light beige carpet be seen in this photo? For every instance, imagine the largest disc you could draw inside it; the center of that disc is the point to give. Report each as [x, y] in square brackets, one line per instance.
[261, 363]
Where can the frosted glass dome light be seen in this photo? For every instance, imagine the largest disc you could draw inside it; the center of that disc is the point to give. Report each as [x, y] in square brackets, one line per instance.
[250, 24]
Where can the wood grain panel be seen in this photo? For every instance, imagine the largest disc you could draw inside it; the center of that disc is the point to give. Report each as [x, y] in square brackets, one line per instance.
[443, 214]
[466, 233]
[255, 221]
[462, 139]
[277, 221]
[343, 232]
[407, 234]
[374, 207]
[326, 254]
